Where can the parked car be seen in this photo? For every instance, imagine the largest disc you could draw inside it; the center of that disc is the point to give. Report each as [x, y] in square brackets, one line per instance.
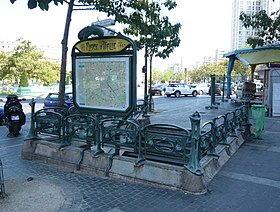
[202, 88]
[52, 100]
[158, 89]
[218, 90]
[178, 89]
[224, 89]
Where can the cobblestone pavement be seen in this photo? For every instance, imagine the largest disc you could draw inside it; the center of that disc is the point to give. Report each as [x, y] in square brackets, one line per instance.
[249, 181]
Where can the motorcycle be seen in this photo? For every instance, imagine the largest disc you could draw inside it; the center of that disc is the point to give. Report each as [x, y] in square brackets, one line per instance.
[14, 116]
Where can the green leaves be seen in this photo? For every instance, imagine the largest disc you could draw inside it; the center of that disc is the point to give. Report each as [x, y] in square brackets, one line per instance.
[32, 4]
[26, 62]
[43, 4]
[268, 28]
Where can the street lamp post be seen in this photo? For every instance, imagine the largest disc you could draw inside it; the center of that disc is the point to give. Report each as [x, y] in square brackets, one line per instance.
[144, 70]
[186, 75]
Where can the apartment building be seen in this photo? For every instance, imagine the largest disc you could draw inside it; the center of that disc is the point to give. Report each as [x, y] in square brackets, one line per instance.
[239, 34]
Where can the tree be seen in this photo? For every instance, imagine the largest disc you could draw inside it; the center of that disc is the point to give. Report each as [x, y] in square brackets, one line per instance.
[240, 70]
[267, 27]
[23, 80]
[26, 62]
[23, 60]
[155, 33]
[4, 56]
[47, 73]
[118, 9]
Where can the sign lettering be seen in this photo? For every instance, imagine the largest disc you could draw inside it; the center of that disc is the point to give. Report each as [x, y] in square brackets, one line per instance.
[102, 45]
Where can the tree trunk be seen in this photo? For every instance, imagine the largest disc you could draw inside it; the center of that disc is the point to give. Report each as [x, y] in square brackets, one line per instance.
[150, 89]
[64, 55]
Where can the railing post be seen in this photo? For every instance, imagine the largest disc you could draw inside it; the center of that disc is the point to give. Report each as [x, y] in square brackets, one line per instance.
[213, 139]
[140, 157]
[31, 134]
[233, 124]
[239, 118]
[245, 121]
[195, 151]
[99, 150]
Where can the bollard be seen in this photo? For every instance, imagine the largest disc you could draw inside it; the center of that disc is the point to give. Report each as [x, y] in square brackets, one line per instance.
[194, 162]
[213, 92]
[31, 134]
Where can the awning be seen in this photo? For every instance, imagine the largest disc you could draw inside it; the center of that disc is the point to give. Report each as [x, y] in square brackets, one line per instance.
[252, 57]
[261, 55]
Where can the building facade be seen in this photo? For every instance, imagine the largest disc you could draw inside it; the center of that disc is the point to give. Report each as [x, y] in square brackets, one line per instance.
[239, 34]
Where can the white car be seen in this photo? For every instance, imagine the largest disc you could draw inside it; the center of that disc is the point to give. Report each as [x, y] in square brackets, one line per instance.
[178, 89]
[202, 88]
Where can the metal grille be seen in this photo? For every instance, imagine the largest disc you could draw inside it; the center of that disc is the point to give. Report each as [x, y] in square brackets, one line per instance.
[2, 187]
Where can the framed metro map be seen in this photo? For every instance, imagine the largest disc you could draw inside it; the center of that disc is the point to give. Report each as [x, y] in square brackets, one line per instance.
[102, 83]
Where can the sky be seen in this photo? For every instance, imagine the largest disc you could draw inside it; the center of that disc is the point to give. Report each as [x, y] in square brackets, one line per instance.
[205, 28]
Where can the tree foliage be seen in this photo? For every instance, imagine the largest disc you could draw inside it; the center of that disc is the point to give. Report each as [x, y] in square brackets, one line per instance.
[203, 73]
[267, 27]
[141, 17]
[25, 62]
[4, 57]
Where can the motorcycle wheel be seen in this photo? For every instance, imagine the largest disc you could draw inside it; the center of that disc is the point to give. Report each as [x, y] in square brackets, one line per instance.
[14, 129]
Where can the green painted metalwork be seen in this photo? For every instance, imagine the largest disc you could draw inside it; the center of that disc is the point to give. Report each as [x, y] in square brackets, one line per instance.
[49, 123]
[194, 162]
[140, 109]
[208, 139]
[221, 133]
[166, 140]
[119, 133]
[31, 134]
[239, 118]
[213, 87]
[164, 143]
[80, 130]
[97, 140]
[231, 123]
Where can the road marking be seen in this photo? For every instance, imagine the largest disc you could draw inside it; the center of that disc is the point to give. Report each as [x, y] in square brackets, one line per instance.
[265, 147]
[252, 179]
[12, 146]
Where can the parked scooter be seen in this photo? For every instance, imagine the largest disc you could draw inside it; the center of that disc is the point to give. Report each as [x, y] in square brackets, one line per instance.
[14, 116]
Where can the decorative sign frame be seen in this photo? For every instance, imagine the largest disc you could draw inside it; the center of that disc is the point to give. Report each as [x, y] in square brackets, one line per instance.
[104, 75]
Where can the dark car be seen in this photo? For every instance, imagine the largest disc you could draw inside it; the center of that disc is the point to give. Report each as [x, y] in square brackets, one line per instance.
[218, 90]
[52, 100]
[223, 87]
[158, 89]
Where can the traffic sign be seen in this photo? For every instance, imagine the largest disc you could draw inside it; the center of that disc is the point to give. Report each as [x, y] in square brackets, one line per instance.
[105, 22]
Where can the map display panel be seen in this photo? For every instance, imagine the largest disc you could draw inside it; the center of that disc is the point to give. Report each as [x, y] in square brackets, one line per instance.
[102, 83]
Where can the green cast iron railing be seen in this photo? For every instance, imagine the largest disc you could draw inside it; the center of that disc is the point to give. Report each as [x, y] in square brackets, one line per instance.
[165, 143]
